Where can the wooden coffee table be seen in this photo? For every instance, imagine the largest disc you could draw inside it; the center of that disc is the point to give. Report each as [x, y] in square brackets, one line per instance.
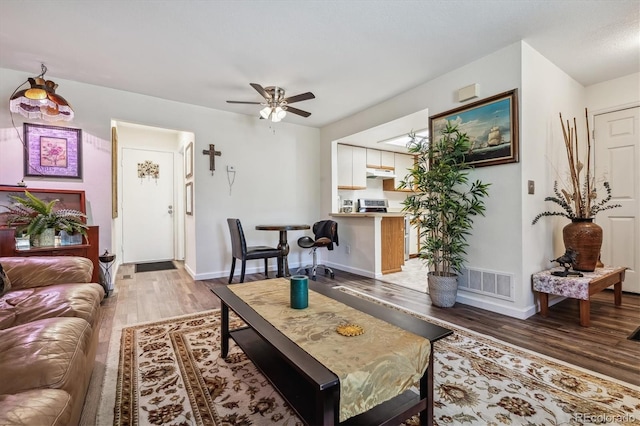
[309, 387]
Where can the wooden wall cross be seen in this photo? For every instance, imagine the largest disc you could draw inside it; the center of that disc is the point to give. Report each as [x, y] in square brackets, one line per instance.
[212, 153]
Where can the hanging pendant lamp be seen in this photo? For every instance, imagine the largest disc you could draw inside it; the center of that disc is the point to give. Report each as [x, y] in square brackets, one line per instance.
[41, 101]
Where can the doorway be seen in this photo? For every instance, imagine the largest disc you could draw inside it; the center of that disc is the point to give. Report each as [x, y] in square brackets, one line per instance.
[149, 226]
[617, 153]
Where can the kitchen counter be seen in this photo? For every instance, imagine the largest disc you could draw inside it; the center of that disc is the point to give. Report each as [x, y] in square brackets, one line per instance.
[359, 215]
[371, 244]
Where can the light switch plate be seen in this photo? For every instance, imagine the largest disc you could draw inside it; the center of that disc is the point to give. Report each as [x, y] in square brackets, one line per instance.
[531, 187]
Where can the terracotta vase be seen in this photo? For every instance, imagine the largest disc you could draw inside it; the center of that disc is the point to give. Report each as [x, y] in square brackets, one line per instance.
[585, 238]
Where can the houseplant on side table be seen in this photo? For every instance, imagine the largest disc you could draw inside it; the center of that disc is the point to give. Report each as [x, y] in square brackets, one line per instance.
[578, 202]
[443, 204]
[39, 219]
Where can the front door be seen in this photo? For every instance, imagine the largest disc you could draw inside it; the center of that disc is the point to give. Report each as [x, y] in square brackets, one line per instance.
[147, 205]
[617, 160]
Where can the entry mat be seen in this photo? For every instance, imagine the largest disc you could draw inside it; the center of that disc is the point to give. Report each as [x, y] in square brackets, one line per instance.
[154, 266]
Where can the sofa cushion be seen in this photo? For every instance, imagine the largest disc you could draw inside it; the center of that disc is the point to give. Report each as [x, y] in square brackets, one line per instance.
[48, 353]
[5, 284]
[62, 300]
[37, 271]
[43, 407]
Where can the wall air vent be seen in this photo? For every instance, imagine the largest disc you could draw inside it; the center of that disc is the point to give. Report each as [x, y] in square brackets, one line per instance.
[491, 283]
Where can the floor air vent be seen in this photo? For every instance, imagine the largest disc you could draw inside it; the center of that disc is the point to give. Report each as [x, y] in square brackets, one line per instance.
[490, 283]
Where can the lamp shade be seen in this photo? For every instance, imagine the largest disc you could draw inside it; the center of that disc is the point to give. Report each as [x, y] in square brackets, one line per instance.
[265, 112]
[280, 113]
[40, 101]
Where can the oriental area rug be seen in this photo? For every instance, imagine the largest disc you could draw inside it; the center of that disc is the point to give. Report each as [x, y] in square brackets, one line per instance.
[169, 373]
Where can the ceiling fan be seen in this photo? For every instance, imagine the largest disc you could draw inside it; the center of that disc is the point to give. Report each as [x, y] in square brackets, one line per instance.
[276, 105]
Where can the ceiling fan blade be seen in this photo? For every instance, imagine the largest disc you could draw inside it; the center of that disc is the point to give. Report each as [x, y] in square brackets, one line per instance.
[297, 111]
[243, 102]
[298, 98]
[260, 90]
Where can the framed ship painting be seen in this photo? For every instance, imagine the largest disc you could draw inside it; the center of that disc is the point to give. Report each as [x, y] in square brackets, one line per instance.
[52, 151]
[492, 127]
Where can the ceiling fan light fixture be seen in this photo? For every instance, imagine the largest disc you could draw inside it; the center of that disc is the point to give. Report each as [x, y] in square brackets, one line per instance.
[277, 105]
[279, 113]
[40, 101]
[265, 112]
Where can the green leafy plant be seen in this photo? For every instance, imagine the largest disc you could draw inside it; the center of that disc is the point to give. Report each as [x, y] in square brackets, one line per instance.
[31, 215]
[443, 202]
[577, 200]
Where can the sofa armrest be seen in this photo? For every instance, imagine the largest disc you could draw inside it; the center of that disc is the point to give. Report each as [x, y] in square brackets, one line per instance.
[39, 271]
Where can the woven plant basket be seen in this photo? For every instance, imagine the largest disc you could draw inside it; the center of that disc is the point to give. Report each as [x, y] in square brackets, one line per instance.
[443, 290]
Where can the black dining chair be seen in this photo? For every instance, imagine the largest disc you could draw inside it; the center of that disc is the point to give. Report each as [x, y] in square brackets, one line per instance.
[240, 250]
[325, 235]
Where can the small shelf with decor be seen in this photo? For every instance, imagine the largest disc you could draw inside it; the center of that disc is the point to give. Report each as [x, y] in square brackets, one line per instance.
[88, 249]
[68, 199]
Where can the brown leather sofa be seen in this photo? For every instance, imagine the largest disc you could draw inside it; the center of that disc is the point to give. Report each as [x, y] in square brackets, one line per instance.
[49, 326]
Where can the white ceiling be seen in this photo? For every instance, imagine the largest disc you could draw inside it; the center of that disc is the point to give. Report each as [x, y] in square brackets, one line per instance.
[350, 54]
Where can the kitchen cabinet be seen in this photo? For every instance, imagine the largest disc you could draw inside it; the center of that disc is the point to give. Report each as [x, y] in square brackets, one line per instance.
[371, 244]
[387, 159]
[402, 164]
[392, 241]
[352, 167]
[380, 159]
[373, 158]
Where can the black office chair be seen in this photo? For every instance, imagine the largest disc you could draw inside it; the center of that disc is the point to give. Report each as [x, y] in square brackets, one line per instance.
[326, 234]
[239, 250]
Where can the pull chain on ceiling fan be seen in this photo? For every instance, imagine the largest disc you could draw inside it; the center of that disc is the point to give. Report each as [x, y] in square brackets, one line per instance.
[276, 105]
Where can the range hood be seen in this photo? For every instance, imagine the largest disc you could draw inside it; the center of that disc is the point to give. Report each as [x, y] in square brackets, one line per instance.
[380, 173]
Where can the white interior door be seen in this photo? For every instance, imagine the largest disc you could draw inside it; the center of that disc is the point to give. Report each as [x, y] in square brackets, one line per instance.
[147, 206]
[617, 153]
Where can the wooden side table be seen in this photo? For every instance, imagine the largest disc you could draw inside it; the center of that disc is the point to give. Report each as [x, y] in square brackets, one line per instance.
[578, 288]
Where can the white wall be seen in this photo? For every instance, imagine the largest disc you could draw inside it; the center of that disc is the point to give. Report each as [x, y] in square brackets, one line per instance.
[546, 92]
[277, 179]
[614, 94]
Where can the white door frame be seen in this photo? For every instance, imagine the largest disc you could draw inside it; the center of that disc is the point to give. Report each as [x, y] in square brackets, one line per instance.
[178, 182]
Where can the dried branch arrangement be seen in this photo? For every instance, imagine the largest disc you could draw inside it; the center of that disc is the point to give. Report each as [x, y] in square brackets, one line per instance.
[580, 202]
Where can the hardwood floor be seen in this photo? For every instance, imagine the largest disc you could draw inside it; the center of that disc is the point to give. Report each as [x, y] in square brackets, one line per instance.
[602, 348]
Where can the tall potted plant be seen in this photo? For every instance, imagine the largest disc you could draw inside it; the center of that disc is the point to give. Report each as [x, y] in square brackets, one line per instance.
[443, 203]
[40, 220]
[578, 201]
